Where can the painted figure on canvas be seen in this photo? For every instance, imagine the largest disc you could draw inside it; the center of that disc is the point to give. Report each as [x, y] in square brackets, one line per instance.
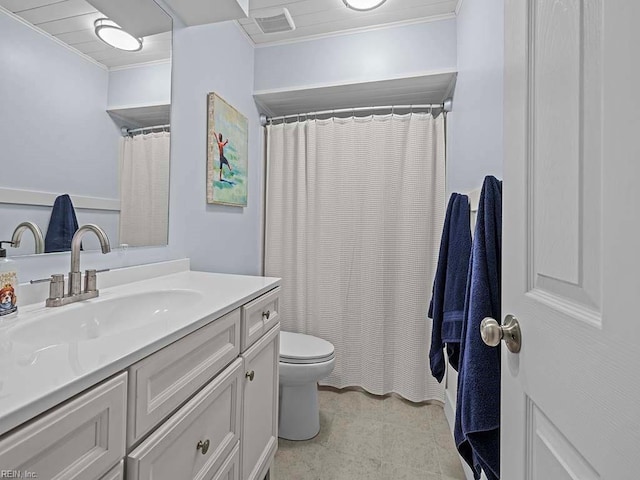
[221, 145]
[227, 153]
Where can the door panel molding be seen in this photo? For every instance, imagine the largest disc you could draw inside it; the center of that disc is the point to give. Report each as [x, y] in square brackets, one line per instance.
[561, 460]
[564, 198]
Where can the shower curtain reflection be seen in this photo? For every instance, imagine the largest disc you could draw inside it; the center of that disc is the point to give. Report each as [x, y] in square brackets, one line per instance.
[144, 189]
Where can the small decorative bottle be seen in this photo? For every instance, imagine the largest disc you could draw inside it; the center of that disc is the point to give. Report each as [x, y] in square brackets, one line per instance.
[8, 286]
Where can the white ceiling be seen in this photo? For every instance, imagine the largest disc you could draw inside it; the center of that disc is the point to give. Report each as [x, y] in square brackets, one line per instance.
[71, 21]
[322, 17]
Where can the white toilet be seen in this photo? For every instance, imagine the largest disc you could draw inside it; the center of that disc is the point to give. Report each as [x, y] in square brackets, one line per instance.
[304, 359]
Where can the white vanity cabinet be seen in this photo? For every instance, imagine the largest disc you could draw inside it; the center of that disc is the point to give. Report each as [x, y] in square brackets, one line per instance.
[79, 440]
[196, 441]
[116, 473]
[163, 381]
[260, 406]
[202, 407]
[258, 317]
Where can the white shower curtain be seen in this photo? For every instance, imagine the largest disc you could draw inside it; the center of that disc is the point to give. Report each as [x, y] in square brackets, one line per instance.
[354, 214]
[144, 189]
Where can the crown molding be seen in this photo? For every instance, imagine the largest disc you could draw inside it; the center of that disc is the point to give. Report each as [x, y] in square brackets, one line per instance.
[386, 26]
[143, 64]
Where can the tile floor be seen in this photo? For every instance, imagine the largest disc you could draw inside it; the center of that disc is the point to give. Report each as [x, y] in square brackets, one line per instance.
[367, 437]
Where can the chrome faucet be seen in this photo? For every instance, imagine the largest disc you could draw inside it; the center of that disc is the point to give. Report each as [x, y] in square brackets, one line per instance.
[57, 298]
[16, 238]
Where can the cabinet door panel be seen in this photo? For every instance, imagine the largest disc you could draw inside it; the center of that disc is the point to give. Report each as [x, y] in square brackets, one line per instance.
[230, 469]
[78, 440]
[176, 450]
[260, 407]
[116, 473]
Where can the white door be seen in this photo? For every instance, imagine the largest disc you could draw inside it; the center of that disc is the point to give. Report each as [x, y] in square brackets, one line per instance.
[571, 232]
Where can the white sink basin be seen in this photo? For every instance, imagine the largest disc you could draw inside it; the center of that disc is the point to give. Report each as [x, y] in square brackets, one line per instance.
[102, 318]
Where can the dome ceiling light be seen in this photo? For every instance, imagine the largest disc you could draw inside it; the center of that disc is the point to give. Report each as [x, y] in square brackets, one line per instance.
[363, 5]
[110, 33]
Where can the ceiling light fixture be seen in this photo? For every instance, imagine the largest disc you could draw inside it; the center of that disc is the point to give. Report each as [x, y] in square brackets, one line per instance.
[363, 5]
[110, 33]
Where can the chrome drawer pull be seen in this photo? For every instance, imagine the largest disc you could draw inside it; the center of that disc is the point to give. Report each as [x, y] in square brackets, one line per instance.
[203, 446]
[250, 375]
[266, 314]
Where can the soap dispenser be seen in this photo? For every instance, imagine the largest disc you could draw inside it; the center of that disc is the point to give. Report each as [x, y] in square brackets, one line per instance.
[8, 285]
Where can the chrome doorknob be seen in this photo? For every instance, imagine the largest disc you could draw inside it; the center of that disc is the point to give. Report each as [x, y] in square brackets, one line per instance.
[492, 332]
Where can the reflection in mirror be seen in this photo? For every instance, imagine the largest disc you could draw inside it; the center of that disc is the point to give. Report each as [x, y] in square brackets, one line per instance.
[84, 123]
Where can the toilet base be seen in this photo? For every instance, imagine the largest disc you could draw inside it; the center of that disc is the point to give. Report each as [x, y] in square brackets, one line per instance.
[299, 417]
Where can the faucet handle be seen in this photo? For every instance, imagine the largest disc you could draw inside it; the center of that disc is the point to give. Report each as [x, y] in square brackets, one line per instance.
[56, 286]
[90, 283]
[90, 280]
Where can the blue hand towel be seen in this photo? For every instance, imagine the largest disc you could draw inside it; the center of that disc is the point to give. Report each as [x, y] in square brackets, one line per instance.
[62, 225]
[449, 286]
[477, 427]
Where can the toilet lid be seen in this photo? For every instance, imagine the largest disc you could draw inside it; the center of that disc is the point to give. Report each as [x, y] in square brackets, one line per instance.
[300, 348]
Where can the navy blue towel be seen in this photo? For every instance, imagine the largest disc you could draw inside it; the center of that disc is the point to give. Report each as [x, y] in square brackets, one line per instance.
[449, 286]
[62, 225]
[477, 427]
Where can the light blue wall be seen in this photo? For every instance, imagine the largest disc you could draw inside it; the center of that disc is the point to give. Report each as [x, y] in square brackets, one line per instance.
[217, 238]
[475, 141]
[358, 57]
[140, 85]
[52, 113]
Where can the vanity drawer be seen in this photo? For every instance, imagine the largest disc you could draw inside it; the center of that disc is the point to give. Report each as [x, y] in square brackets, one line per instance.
[230, 470]
[258, 317]
[212, 417]
[117, 473]
[163, 381]
[79, 440]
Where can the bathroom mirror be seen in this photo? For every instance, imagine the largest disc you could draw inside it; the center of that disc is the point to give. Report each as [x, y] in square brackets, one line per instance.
[82, 118]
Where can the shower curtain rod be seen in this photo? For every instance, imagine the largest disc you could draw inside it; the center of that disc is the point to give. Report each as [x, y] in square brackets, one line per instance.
[446, 106]
[131, 131]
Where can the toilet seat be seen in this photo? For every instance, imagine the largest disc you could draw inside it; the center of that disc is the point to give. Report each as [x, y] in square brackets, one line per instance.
[301, 349]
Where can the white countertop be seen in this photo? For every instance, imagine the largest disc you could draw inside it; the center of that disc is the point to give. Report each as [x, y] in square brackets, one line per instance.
[36, 377]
